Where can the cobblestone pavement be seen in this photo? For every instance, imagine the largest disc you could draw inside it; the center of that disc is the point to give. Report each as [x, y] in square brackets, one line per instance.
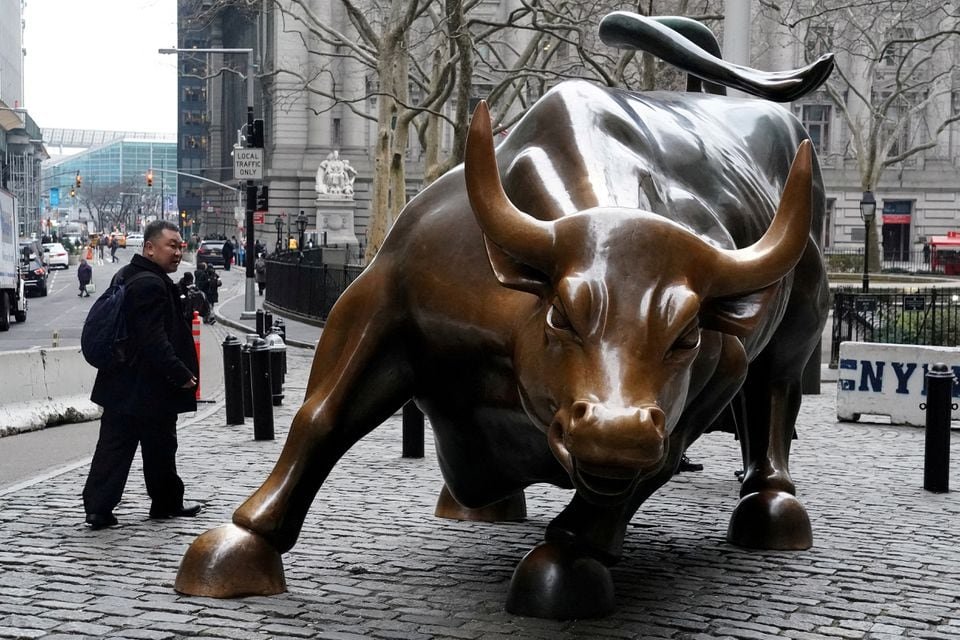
[373, 562]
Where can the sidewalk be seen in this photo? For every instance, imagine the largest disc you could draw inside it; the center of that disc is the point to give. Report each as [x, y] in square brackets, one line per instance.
[373, 562]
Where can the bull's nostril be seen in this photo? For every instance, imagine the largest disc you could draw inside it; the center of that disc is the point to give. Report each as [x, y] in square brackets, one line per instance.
[579, 411]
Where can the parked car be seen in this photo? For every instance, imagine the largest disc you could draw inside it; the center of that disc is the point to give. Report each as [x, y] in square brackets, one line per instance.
[35, 249]
[56, 255]
[34, 274]
[135, 240]
[211, 252]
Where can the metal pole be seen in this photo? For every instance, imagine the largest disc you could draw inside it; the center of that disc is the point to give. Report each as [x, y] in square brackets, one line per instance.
[250, 296]
[412, 431]
[936, 458]
[866, 254]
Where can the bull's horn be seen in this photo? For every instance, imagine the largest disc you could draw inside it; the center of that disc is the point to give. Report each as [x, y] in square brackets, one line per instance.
[524, 237]
[778, 251]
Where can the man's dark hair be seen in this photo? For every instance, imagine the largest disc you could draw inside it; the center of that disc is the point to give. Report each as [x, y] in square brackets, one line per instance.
[156, 228]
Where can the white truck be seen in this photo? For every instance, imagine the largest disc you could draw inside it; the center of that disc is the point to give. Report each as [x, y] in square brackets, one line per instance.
[13, 298]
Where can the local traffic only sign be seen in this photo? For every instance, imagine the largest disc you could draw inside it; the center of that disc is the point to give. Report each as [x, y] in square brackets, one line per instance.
[248, 164]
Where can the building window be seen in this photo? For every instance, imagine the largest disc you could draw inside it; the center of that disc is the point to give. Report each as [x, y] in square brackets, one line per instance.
[896, 52]
[816, 119]
[819, 40]
[826, 233]
[336, 139]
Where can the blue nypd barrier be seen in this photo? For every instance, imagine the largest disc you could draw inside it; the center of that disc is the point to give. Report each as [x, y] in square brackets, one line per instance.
[889, 380]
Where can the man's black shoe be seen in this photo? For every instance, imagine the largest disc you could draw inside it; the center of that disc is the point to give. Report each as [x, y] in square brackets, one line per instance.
[184, 511]
[97, 521]
[686, 465]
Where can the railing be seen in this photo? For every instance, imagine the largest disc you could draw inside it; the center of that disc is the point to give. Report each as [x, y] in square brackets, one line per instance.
[301, 286]
[851, 261]
[929, 317]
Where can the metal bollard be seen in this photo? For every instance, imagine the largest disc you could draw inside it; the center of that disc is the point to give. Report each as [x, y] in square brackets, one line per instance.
[281, 328]
[259, 322]
[245, 370]
[232, 380]
[267, 323]
[939, 405]
[261, 393]
[278, 354]
[412, 431]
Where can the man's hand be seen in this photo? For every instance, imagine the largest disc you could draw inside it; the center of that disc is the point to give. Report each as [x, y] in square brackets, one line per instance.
[190, 384]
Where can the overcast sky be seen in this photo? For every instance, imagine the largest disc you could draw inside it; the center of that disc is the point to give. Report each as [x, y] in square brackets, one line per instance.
[93, 64]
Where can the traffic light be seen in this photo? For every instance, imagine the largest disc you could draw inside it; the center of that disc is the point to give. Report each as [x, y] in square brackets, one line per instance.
[79, 180]
[150, 178]
[256, 140]
[183, 215]
[263, 199]
[73, 193]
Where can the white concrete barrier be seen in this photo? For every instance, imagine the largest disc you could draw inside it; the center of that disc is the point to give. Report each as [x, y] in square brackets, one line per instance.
[889, 379]
[43, 387]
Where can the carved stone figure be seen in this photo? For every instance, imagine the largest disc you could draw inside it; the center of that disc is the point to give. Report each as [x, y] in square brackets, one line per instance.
[335, 177]
[577, 307]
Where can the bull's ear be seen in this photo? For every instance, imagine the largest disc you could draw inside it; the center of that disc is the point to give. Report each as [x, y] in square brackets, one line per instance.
[740, 315]
[514, 274]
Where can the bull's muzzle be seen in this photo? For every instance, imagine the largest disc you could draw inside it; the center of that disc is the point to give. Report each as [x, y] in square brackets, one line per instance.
[607, 451]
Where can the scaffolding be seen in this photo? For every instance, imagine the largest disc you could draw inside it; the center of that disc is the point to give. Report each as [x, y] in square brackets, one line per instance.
[24, 184]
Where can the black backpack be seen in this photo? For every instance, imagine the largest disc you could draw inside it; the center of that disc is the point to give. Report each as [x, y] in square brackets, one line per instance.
[104, 336]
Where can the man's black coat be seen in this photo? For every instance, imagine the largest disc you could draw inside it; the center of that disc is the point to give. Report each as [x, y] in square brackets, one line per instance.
[161, 343]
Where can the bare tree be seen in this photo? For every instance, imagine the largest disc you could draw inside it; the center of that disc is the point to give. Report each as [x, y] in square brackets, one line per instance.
[894, 85]
[426, 61]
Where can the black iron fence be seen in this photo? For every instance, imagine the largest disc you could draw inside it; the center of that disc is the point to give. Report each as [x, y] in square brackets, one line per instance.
[303, 286]
[851, 261]
[928, 317]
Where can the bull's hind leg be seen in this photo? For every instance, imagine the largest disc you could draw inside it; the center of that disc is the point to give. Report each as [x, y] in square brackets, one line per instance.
[360, 376]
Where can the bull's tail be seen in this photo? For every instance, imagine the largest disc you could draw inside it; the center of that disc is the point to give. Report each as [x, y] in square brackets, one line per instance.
[690, 49]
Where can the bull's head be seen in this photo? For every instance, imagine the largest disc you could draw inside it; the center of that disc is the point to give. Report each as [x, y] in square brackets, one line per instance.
[605, 362]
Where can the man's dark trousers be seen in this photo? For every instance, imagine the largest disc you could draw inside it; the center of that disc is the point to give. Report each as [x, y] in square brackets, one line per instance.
[119, 436]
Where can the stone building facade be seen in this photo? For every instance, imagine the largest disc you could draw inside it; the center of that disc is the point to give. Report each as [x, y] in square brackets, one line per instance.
[916, 198]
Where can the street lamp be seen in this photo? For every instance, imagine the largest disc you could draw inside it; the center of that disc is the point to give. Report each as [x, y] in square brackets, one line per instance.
[868, 209]
[278, 223]
[250, 298]
[301, 227]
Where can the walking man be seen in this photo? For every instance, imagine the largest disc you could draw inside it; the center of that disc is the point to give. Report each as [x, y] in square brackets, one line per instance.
[142, 397]
[84, 275]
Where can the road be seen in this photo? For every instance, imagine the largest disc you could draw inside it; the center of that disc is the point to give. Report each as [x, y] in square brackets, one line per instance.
[28, 457]
[61, 313]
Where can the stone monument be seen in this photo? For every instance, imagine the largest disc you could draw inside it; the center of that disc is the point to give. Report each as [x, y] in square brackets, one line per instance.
[334, 186]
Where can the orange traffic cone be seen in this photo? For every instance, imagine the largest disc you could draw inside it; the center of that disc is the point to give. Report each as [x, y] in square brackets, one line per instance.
[196, 346]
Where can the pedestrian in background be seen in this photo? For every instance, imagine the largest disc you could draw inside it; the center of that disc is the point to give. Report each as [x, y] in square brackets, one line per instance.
[260, 273]
[227, 252]
[85, 276]
[142, 396]
[114, 245]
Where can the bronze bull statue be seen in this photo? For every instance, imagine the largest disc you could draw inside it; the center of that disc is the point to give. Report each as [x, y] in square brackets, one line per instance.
[576, 307]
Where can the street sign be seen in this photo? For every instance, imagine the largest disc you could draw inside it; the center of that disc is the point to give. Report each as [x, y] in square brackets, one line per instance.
[247, 164]
[258, 217]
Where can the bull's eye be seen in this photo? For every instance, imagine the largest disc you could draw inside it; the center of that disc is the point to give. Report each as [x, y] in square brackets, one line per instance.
[689, 339]
[557, 319]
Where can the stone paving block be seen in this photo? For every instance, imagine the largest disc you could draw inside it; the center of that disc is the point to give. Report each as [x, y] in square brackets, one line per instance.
[15, 632]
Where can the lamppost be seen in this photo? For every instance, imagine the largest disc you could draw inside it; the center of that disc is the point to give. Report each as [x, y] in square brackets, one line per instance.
[301, 228]
[868, 209]
[250, 297]
[278, 223]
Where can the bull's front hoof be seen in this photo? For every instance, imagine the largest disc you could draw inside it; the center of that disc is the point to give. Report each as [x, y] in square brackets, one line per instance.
[770, 520]
[556, 581]
[230, 562]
